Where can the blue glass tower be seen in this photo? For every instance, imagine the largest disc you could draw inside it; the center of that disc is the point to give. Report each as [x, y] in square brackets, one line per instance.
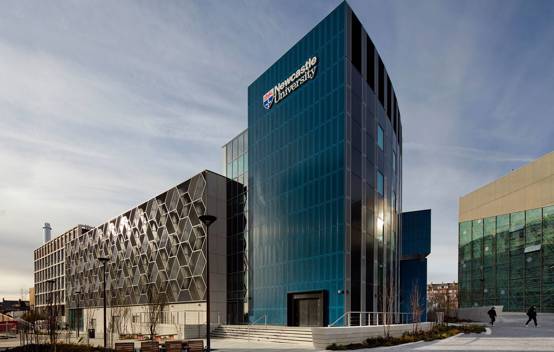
[416, 246]
[324, 176]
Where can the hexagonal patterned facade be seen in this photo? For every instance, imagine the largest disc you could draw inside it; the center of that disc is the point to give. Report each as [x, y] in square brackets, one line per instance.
[159, 245]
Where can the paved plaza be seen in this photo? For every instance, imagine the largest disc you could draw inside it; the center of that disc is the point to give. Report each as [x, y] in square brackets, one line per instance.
[508, 334]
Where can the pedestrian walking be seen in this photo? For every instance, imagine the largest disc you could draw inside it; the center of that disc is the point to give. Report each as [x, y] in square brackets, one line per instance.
[532, 314]
[492, 315]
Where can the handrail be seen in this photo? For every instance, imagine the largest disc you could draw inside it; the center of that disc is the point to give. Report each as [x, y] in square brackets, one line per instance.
[372, 318]
[338, 319]
[260, 318]
[255, 321]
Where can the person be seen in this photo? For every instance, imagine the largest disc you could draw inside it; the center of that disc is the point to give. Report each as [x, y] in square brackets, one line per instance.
[532, 314]
[492, 315]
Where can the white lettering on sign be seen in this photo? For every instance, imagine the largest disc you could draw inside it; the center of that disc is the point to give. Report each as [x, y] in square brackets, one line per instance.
[305, 73]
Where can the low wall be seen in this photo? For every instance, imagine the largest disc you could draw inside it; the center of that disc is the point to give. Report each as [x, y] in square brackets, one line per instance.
[343, 335]
[195, 331]
[478, 314]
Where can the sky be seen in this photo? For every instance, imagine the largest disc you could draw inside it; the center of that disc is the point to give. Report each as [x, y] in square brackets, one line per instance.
[106, 104]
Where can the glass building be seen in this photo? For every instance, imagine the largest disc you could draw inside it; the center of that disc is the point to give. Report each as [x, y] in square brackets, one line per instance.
[49, 264]
[506, 241]
[324, 176]
[508, 260]
[235, 155]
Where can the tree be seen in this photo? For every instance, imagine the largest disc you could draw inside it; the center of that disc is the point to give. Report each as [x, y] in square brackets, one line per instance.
[29, 330]
[441, 301]
[29, 327]
[388, 309]
[118, 321]
[91, 321]
[52, 322]
[155, 308]
[415, 298]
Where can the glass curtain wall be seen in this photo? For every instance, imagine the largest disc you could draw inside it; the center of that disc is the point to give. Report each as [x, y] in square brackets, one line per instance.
[508, 260]
[236, 169]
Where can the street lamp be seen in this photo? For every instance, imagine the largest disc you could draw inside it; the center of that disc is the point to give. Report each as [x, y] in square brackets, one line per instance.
[104, 260]
[207, 220]
[77, 311]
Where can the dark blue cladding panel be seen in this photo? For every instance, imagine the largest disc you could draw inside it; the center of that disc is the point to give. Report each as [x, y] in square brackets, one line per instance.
[413, 273]
[416, 246]
[296, 174]
[416, 233]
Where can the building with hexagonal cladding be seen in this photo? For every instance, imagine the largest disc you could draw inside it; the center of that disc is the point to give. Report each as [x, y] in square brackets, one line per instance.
[156, 256]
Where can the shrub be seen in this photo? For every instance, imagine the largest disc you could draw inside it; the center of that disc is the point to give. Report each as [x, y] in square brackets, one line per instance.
[436, 333]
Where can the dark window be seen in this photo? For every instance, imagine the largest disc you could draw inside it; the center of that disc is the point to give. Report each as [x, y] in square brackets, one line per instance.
[370, 63]
[356, 164]
[356, 104]
[356, 136]
[370, 174]
[356, 43]
[389, 99]
[380, 183]
[380, 138]
[396, 115]
[400, 132]
[381, 90]
[393, 115]
[356, 241]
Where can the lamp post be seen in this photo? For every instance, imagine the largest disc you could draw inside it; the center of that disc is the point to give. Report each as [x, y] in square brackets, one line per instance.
[207, 220]
[77, 311]
[104, 260]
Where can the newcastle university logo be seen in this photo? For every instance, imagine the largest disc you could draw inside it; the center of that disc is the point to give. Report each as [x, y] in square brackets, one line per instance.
[305, 73]
[268, 99]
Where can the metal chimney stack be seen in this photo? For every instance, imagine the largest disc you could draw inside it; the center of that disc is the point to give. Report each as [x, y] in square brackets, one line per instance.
[47, 232]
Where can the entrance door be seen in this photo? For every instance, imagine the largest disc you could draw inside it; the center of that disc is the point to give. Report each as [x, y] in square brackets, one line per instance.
[306, 309]
[306, 312]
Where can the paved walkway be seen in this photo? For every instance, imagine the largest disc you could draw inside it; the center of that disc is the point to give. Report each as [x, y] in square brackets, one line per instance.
[230, 345]
[508, 334]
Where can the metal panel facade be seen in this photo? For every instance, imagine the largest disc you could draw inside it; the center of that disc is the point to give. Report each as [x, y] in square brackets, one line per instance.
[316, 219]
[158, 246]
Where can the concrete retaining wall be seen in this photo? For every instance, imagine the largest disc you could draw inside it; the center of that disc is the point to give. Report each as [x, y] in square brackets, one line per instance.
[343, 335]
[478, 314]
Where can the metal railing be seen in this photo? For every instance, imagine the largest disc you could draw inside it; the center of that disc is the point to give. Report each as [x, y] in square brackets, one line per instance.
[264, 317]
[372, 318]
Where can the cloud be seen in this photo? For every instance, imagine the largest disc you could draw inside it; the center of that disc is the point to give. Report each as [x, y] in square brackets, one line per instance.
[475, 154]
[106, 106]
[474, 103]
[94, 123]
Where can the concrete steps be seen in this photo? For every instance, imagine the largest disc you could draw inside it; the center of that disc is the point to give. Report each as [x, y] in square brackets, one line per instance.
[284, 334]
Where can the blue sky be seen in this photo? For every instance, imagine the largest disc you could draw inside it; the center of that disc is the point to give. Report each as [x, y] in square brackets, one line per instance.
[105, 104]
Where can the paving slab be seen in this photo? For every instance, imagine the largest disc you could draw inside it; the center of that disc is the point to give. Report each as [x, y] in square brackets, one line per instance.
[236, 345]
[508, 334]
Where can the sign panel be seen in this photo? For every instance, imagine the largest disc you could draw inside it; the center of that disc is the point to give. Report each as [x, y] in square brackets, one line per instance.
[304, 73]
